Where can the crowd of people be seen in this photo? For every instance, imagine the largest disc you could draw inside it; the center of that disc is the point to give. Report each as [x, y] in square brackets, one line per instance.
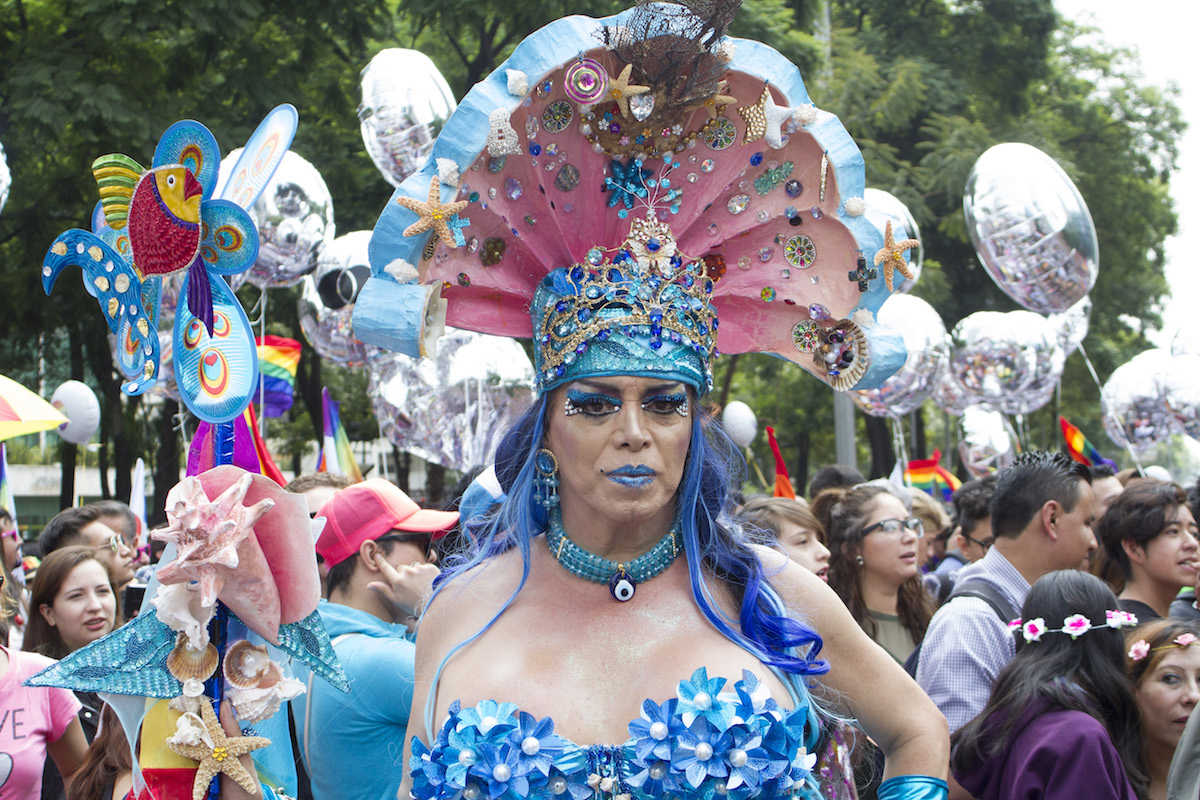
[1049, 613]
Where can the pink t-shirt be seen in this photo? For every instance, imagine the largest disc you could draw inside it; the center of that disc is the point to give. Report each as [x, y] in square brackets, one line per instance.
[30, 718]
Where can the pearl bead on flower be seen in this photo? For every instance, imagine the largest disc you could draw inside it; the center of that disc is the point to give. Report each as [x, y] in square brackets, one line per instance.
[702, 701]
[501, 772]
[737, 758]
[658, 731]
[531, 746]
[657, 772]
[466, 757]
[704, 751]
[558, 785]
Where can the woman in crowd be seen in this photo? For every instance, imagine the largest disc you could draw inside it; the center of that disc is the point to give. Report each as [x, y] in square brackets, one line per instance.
[1163, 662]
[107, 771]
[1061, 721]
[1148, 546]
[874, 564]
[72, 603]
[793, 528]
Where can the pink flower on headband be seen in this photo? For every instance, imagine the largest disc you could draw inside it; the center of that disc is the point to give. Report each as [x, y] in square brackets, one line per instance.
[1184, 639]
[1139, 650]
[1119, 619]
[1076, 625]
[1015, 625]
[1033, 629]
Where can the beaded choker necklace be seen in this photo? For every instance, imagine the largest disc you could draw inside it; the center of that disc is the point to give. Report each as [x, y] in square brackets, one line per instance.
[622, 577]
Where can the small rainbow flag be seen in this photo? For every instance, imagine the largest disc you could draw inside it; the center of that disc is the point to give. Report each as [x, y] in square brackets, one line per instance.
[931, 477]
[277, 361]
[336, 455]
[1078, 446]
[249, 450]
[783, 481]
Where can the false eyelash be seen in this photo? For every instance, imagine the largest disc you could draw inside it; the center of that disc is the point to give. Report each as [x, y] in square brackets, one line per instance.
[573, 404]
[680, 401]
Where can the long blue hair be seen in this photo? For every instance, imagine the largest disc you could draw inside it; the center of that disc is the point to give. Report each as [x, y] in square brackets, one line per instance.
[763, 628]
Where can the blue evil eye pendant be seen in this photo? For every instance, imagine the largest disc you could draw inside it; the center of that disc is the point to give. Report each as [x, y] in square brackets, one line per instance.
[546, 480]
[621, 586]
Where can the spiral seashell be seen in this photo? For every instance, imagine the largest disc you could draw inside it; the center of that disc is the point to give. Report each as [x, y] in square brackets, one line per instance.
[248, 666]
[186, 663]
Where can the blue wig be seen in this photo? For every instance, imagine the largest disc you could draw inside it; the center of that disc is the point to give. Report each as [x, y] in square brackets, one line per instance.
[788, 647]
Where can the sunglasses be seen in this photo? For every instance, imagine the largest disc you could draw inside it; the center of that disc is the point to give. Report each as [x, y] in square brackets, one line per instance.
[895, 526]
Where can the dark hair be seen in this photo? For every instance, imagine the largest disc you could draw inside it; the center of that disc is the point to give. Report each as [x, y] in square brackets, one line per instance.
[65, 528]
[1085, 674]
[1035, 478]
[973, 503]
[834, 476]
[40, 635]
[106, 758]
[770, 513]
[317, 480]
[341, 572]
[1102, 471]
[5, 514]
[1138, 515]
[843, 512]
[1193, 498]
[115, 508]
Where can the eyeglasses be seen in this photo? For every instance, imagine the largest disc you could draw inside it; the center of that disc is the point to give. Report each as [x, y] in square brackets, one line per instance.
[895, 526]
[985, 545]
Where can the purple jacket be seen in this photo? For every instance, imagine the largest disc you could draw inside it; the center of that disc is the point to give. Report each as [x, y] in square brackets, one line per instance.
[1057, 754]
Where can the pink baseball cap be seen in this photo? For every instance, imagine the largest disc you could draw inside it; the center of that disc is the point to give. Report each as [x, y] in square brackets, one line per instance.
[369, 510]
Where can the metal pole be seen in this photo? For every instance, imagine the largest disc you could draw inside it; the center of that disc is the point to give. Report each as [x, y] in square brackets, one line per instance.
[843, 429]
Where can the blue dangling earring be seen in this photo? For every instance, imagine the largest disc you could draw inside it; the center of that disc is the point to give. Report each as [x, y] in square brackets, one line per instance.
[546, 482]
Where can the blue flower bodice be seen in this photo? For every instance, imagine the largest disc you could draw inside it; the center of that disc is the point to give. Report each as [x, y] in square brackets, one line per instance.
[703, 744]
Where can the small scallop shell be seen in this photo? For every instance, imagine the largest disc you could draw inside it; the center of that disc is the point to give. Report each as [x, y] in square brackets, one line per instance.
[236, 673]
[185, 663]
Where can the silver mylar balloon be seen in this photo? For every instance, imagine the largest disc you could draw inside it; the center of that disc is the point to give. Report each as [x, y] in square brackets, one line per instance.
[984, 444]
[1050, 358]
[294, 216]
[1072, 325]
[405, 100]
[1183, 392]
[453, 409]
[327, 299]
[883, 207]
[928, 349]
[5, 178]
[950, 396]
[994, 355]
[1031, 228]
[1134, 401]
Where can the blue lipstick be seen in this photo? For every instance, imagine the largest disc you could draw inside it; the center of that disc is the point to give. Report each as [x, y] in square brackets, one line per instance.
[632, 476]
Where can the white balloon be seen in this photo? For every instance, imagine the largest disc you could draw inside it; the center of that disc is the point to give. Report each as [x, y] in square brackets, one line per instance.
[79, 405]
[740, 423]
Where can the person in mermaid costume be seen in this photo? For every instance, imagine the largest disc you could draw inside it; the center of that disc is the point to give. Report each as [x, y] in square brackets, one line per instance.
[633, 192]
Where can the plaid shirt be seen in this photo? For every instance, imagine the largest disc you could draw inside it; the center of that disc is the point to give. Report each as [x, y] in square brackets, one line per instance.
[967, 645]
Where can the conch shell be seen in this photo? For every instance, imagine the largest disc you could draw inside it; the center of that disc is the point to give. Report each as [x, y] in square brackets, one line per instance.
[254, 683]
[187, 663]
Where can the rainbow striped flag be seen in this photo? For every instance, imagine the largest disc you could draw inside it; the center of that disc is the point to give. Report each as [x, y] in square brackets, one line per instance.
[1078, 446]
[277, 361]
[336, 455]
[249, 450]
[931, 477]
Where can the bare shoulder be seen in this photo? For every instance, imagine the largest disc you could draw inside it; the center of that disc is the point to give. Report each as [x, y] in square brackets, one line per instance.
[468, 600]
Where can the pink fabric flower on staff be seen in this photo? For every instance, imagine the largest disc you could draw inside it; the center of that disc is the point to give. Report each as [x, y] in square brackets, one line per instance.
[1185, 639]
[1076, 625]
[1139, 650]
[1033, 629]
[1015, 625]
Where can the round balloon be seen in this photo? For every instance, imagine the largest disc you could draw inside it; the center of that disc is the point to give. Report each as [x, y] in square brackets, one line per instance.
[1135, 403]
[739, 423]
[994, 354]
[5, 178]
[1183, 392]
[328, 295]
[1050, 358]
[1031, 228]
[1072, 325]
[405, 100]
[950, 396]
[294, 216]
[928, 348]
[884, 207]
[79, 405]
[984, 443]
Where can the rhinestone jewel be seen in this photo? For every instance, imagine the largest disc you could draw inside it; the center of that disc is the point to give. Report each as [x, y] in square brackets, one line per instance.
[513, 189]
[641, 106]
[737, 204]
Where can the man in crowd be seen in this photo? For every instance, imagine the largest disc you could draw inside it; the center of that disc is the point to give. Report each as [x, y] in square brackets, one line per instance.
[1042, 513]
[1107, 487]
[377, 543]
[85, 526]
[832, 477]
[969, 536]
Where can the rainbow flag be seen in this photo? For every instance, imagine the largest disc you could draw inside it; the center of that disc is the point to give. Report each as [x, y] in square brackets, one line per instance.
[277, 361]
[336, 455]
[931, 477]
[1078, 446]
[249, 450]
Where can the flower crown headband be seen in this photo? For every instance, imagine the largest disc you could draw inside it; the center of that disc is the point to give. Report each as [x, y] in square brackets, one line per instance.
[1141, 648]
[1074, 626]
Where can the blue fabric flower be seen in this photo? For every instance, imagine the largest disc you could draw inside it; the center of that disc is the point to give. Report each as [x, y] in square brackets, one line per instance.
[753, 699]
[497, 766]
[494, 720]
[573, 782]
[700, 697]
[745, 756]
[654, 779]
[536, 743]
[426, 773]
[653, 733]
[460, 753]
[699, 754]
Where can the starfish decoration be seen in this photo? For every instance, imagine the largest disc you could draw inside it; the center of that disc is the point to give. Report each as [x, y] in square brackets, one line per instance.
[864, 275]
[437, 215]
[207, 533]
[627, 182]
[620, 89]
[718, 101]
[892, 255]
[755, 116]
[218, 753]
[775, 116]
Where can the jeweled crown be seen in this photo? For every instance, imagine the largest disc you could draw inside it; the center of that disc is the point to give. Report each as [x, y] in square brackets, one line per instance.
[646, 290]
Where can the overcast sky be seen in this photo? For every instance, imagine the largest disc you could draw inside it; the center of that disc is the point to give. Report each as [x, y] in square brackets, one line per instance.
[1162, 34]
